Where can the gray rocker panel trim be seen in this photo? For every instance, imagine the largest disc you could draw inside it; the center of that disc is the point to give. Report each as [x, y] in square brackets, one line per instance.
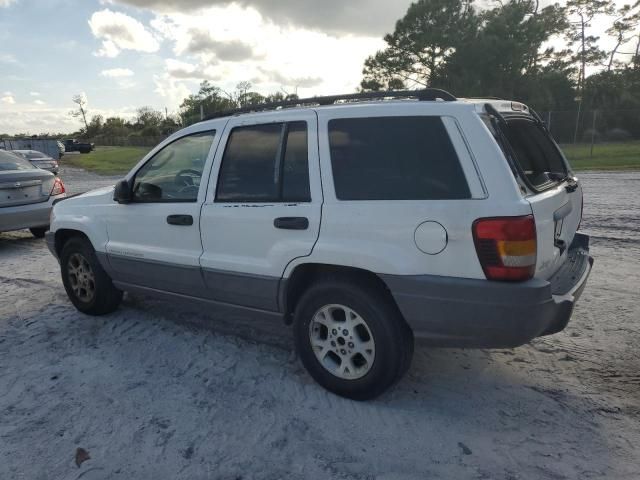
[233, 288]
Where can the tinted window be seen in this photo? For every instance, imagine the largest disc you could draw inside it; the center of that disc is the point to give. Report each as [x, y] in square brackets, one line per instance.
[265, 163]
[173, 174]
[9, 161]
[394, 158]
[535, 152]
[295, 175]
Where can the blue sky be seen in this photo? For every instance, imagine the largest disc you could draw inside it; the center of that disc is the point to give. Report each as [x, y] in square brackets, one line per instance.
[124, 54]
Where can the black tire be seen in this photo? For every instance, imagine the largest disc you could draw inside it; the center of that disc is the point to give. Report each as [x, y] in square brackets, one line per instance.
[38, 232]
[392, 337]
[106, 298]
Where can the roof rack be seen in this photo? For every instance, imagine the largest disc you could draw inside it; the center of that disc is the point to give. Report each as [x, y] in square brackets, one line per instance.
[427, 94]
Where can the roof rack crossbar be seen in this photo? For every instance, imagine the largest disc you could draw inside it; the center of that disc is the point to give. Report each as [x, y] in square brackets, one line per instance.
[427, 94]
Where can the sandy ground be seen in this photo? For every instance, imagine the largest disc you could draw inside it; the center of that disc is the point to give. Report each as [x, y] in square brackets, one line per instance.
[159, 391]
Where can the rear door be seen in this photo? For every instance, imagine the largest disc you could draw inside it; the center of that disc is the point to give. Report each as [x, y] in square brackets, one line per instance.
[265, 208]
[554, 194]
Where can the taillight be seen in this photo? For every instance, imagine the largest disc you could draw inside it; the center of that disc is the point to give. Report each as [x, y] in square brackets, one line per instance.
[506, 247]
[58, 187]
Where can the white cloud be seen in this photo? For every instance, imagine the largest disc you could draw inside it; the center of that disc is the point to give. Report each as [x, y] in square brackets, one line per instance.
[35, 119]
[250, 47]
[8, 98]
[368, 17]
[39, 102]
[8, 58]
[6, 3]
[118, 32]
[179, 69]
[171, 90]
[117, 73]
[34, 94]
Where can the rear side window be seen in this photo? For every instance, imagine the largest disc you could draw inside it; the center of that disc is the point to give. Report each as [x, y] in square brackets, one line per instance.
[535, 152]
[395, 158]
[265, 163]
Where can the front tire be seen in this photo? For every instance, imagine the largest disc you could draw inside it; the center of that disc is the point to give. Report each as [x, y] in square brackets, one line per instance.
[88, 286]
[351, 338]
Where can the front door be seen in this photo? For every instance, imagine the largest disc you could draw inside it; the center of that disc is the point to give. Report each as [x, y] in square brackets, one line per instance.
[154, 241]
[265, 208]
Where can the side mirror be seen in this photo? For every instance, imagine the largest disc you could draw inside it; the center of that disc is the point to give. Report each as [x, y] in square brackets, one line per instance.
[122, 192]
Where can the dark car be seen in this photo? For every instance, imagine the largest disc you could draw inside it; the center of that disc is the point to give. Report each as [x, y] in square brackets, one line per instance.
[72, 145]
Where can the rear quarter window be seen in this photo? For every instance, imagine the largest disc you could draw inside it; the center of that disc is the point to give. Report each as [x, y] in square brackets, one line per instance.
[535, 152]
[395, 158]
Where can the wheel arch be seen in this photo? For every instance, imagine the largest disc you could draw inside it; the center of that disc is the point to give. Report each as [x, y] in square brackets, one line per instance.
[305, 274]
[63, 235]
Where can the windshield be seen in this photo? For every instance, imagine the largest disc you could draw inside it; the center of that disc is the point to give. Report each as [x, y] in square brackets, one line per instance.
[10, 161]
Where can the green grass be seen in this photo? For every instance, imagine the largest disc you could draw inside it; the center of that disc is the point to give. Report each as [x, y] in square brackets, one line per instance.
[107, 160]
[606, 156]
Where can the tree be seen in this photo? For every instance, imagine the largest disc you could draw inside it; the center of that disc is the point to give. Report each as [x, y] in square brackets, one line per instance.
[588, 53]
[622, 29]
[81, 110]
[209, 99]
[423, 40]
[507, 55]
[497, 52]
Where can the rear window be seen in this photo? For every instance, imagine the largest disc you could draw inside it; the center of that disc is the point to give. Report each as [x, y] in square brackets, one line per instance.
[395, 158]
[9, 161]
[36, 156]
[535, 152]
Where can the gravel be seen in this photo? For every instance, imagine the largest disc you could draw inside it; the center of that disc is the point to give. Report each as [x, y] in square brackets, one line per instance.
[160, 390]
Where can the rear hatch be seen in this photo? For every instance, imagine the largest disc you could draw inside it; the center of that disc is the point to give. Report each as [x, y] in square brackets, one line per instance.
[546, 181]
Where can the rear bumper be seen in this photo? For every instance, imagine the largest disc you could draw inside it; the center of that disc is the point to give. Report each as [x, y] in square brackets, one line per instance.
[457, 312]
[26, 216]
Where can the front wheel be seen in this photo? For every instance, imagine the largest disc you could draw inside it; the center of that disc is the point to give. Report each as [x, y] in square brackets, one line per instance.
[87, 284]
[352, 339]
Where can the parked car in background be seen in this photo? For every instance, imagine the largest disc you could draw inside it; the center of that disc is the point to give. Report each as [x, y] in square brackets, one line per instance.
[39, 159]
[72, 145]
[362, 224]
[27, 194]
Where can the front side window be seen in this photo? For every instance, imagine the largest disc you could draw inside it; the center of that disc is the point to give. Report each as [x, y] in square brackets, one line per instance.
[174, 173]
[395, 158]
[265, 163]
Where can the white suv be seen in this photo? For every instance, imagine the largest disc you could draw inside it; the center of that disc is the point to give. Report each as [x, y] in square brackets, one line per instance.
[362, 223]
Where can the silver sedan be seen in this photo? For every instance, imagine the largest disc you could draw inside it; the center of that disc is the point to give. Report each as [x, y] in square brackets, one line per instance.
[39, 159]
[27, 195]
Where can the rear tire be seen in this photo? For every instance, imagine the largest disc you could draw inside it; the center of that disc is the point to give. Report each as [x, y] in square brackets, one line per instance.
[88, 286]
[351, 338]
[38, 232]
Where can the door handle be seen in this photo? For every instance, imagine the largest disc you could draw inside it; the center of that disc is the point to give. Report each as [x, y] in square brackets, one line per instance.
[182, 220]
[291, 223]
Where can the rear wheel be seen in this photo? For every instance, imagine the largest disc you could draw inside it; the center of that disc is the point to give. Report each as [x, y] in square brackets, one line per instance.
[352, 339]
[38, 232]
[88, 286]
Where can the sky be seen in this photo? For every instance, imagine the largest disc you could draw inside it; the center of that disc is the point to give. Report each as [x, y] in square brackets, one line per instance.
[124, 54]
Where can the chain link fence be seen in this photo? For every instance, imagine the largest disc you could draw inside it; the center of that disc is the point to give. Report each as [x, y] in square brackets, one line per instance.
[593, 126]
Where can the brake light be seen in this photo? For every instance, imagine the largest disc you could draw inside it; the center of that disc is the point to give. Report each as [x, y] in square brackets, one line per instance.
[506, 247]
[58, 187]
